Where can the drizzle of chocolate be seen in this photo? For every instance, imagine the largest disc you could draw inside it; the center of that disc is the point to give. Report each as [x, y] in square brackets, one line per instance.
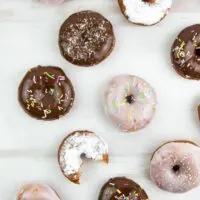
[121, 188]
[46, 93]
[86, 38]
[185, 53]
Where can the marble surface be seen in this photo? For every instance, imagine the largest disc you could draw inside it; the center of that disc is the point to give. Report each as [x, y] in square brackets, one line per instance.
[28, 148]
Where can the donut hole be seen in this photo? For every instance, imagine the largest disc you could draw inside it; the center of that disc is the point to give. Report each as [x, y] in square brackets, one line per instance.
[176, 168]
[197, 50]
[130, 99]
[83, 156]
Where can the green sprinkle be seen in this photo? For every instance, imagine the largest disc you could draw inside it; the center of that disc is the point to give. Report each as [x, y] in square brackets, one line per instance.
[49, 75]
[141, 95]
[51, 91]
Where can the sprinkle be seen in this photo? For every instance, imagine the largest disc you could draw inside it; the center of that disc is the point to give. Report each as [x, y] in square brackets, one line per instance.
[141, 95]
[29, 91]
[49, 75]
[60, 108]
[34, 79]
[51, 91]
[28, 106]
[59, 99]
[118, 191]
[60, 78]
[46, 112]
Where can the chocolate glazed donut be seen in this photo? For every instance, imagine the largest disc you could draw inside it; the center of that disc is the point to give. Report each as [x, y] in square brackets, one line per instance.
[46, 93]
[86, 38]
[185, 53]
[121, 188]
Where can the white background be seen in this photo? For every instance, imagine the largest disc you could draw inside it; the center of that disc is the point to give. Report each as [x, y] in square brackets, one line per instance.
[28, 148]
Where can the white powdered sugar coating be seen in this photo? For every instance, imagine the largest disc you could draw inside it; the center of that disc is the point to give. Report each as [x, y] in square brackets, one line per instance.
[175, 167]
[37, 192]
[129, 116]
[141, 12]
[78, 144]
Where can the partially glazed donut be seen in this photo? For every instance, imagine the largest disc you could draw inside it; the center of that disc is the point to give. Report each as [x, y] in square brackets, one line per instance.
[37, 192]
[122, 188]
[185, 53]
[130, 102]
[175, 166]
[78, 145]
[145, 12]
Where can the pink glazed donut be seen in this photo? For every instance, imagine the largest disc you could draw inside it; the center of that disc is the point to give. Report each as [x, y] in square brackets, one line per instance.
[175, 166]
[130, 102]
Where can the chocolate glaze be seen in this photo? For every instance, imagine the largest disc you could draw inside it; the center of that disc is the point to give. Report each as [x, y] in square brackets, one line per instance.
[185, 53]
[86, 38]
[46, 93]
[121, 188]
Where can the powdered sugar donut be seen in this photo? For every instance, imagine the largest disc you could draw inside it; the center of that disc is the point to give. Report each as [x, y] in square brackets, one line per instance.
[130, 102]
[52, 1]
[175, 166]
[145, 12]
[76, 146]
[37, 192]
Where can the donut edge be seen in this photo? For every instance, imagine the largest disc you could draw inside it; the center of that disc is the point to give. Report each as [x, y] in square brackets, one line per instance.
[123, 11]
[174, 141]
[94, 63]
[75, 177]
[67, 79]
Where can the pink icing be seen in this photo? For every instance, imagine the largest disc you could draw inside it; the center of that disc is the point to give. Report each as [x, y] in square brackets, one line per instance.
[187, 174]
[37, 192]
[126, 116]
[52, 1]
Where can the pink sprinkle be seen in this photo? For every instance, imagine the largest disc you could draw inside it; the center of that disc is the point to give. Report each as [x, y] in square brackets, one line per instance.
[60, 78]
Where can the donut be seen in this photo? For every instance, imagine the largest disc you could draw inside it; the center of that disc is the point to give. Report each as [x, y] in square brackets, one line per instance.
[37, 192]
[52, 1]
[130, 102]
[185, 53]
[46, 93]
[77, 146]
[121, 188]
[145, 12]
[175, 166]
[86, 38]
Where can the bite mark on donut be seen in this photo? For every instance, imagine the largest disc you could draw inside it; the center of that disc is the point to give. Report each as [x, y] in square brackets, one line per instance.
[72, 153]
